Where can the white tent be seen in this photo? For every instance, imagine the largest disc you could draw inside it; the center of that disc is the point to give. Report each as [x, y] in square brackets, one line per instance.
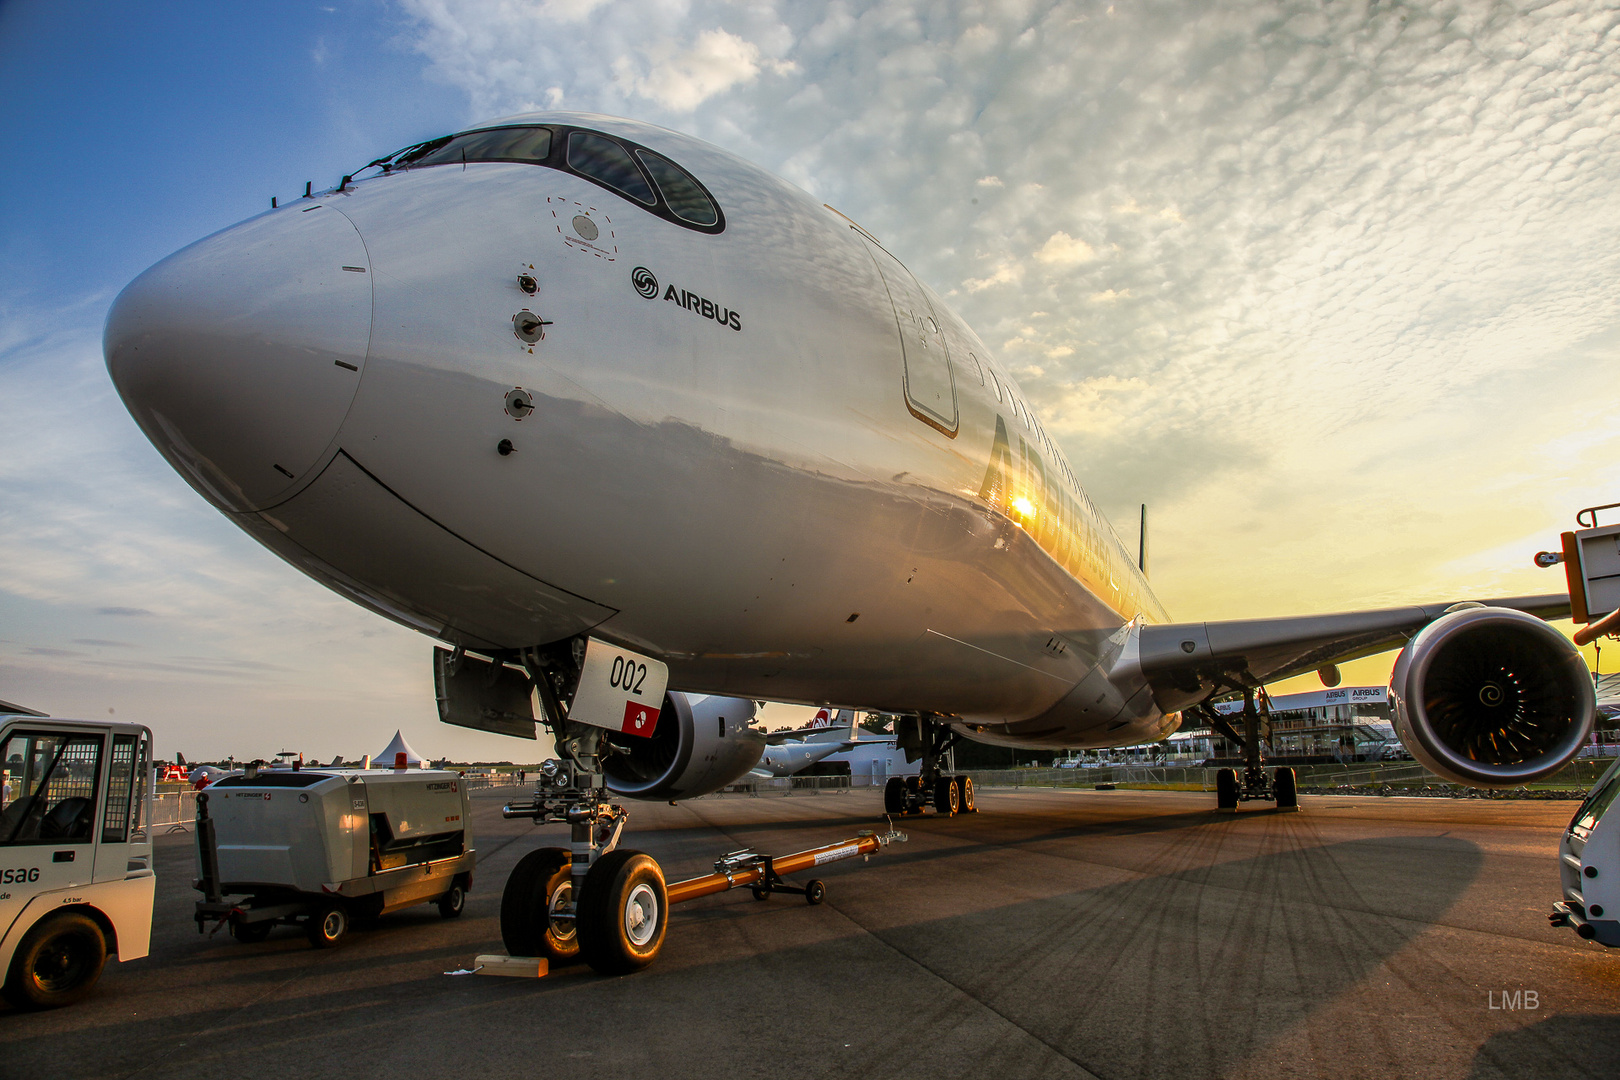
[385, 760]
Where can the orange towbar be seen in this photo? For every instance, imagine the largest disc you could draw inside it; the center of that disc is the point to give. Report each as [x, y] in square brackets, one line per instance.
[763, 873]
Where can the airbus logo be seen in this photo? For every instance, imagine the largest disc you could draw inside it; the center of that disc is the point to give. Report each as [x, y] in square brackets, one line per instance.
[645, 281]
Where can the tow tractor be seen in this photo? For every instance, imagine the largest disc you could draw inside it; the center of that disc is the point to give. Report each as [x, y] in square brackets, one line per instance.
[76, 879]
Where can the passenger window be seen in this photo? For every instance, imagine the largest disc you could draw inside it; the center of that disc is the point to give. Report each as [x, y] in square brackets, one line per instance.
[49, 788]
[682, 194]
[978, 367]
[525, 144]
[608, 163]
[998, 385]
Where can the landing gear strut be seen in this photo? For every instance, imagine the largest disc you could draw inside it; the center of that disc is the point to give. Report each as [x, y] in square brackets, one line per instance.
[948, 795]
[1230, 789]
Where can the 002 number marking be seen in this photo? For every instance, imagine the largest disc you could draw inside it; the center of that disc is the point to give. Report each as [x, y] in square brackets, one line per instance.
[627, 675]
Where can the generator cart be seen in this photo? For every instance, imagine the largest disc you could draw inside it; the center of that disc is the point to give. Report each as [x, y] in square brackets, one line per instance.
[322, 847]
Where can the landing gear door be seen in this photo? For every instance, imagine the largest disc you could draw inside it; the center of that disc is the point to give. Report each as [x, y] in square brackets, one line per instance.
[479, 694]
[930, 385]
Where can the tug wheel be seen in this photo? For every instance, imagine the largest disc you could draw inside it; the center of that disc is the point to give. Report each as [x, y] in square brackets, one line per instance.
[814, 891]
[534, 917]
[57, 963]
[251, 933]
[623, 913]
[327, 925]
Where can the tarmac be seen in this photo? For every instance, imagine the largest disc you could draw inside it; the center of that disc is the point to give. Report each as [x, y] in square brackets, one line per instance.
[1113, 934]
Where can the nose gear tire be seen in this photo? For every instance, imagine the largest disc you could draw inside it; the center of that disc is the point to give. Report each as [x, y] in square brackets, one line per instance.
[623, 913]
[540, 883]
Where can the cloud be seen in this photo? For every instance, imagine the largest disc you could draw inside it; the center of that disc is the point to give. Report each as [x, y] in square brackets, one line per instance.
[682, 79]
[126, 611]
[1061, 249]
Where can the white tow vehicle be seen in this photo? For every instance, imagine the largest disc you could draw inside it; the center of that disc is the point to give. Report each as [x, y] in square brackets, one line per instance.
[76, 879]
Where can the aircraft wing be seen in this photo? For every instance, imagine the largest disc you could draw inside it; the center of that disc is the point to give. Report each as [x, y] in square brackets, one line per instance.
[1185, 663]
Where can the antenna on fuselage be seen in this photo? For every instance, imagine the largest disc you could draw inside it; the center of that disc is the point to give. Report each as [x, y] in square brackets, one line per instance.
[1141, 544]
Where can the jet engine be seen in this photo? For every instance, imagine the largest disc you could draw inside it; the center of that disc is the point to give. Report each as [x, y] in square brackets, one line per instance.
[700, 745]
[1491, 697]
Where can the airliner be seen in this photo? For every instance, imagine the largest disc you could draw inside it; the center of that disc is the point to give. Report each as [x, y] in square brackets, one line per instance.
[561, 382]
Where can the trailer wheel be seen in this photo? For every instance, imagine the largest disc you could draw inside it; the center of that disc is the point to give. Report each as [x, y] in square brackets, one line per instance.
[1226, 790]
[451, 903]
[623, 913]
[57, 963]
[1285, 787]
[250, 933]
[327, 925]
[531, 925]
[894, 796]
[967, 795]
[814, 891]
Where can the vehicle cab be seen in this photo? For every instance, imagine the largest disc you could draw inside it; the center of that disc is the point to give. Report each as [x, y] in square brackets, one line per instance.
[1589, 865]
[76, 881]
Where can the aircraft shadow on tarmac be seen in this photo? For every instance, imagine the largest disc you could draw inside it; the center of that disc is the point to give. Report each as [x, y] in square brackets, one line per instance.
[1197, 968]
[1559, 1046]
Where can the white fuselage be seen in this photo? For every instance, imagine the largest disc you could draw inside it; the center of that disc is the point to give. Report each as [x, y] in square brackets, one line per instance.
[337, 376]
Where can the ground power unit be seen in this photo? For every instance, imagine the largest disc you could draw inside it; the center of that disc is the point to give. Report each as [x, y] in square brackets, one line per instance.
[323, 848]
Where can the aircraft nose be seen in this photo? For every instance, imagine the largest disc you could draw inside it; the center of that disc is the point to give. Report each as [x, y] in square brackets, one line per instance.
[240, 355]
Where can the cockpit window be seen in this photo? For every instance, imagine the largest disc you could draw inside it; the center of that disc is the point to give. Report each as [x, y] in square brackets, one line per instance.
[524, 144]
[663, 188]
[602, 159]
[682, 194]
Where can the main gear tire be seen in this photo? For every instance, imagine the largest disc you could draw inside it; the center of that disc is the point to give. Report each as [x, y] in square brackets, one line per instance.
[1226, 790]
[968, 805]
[894, 796]
[1286, 787]
[534, 916]
[947, 796]
[623, 913]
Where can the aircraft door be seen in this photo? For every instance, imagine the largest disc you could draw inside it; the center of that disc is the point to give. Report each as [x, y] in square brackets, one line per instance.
[929, 384]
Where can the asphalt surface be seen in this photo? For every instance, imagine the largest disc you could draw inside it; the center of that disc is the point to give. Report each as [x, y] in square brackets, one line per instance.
[1054, 934]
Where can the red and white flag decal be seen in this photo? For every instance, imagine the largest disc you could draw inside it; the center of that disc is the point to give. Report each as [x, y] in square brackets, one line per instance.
[639, 719]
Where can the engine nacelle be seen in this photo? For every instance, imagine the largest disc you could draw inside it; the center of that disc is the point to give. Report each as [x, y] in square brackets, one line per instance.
[700, 745]
[1491, 697]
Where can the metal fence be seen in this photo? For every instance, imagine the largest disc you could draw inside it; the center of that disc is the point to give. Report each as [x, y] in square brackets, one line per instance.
[1197, 778]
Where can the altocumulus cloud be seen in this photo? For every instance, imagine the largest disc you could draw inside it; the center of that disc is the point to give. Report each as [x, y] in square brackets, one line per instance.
[1273, 267]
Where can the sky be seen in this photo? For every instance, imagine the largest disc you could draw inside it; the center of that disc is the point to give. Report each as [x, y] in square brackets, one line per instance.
[1333, 287]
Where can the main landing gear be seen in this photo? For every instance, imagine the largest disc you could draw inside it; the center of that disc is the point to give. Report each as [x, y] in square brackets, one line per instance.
[1230, 788]
[948, 795]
